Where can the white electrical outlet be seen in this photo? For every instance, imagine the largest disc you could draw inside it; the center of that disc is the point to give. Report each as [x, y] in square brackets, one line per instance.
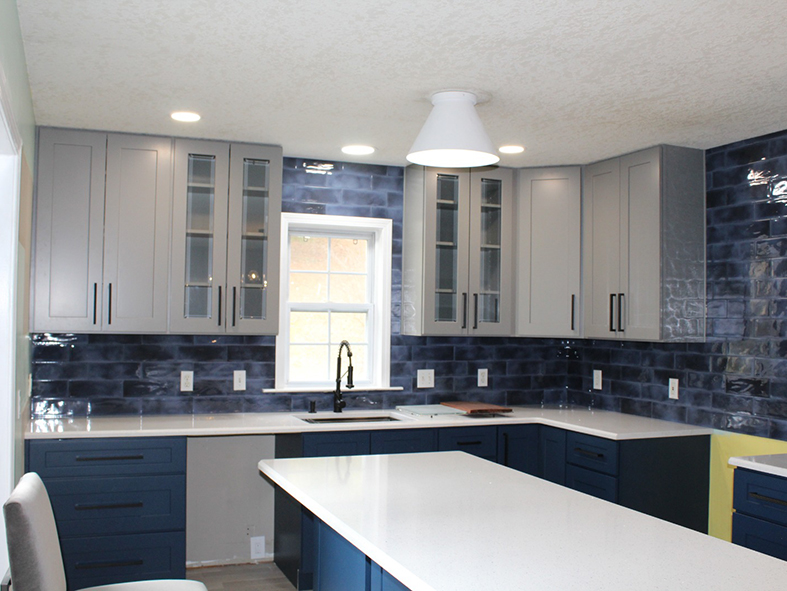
[239, 379]
[673, 388]
[597, 383]
[257, 547]
[187, 381]
[426, 378]
[483, 378]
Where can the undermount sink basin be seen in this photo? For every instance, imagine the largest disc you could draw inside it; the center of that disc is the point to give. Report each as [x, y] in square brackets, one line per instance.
[351, 419]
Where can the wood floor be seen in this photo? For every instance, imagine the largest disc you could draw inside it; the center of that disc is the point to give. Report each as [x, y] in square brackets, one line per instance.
[245, 577]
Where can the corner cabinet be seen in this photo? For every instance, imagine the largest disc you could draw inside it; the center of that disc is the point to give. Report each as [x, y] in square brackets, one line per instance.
[102, 232]
[225, 238]
[548, 221]
[644, 246]
[458, 252]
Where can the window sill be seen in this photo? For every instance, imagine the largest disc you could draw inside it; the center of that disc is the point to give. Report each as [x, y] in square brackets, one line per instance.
[328, 390]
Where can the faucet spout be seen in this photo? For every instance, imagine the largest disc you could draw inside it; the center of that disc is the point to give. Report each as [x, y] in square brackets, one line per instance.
[338, 402]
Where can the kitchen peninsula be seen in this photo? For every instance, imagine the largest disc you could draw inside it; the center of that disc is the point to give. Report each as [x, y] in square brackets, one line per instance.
[453, 521]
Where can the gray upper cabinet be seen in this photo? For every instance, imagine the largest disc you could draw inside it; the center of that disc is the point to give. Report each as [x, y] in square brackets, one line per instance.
[548, 251]
[89, 277]
[458, 252]
[644, 246]
[225, 238]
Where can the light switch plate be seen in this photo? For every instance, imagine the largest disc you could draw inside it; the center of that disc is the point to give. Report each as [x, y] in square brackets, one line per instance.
[597, 383]
[483, 378]
[239, 379]
[426, 378]
[673, 388]
[257, 547]
[187, 381]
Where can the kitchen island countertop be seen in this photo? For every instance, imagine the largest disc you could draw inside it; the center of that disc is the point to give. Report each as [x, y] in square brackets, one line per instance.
[453, 521]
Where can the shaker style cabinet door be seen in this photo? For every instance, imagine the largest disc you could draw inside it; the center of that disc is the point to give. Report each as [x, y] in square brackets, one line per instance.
[548, 233]
[136, 233]
[199, 237]
[69, 231]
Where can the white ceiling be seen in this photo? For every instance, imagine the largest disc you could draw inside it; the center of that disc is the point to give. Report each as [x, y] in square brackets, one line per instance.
[573, 80]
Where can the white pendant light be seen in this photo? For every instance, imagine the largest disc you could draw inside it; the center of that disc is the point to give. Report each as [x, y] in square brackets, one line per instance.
[453, 135]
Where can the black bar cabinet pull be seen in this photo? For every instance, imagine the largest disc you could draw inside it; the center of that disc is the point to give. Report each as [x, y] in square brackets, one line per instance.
[475, 310]
[464, 310]
[234, 294]
[95, 303]
[109, 458]
[109, 306]
[612, 312]
[621, 328]
[219, 305]
[468, 443]
[573, 299]
[116, 564]
[590, 454]
[760, 497]
[100, 506]
[505, 449]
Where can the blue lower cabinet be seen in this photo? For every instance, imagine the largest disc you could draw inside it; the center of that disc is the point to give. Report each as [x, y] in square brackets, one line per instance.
[517, 448]
[340, 566]
[119, 505]
[760, 518]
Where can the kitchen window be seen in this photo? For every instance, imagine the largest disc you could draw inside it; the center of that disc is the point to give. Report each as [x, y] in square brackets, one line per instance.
[335, 286]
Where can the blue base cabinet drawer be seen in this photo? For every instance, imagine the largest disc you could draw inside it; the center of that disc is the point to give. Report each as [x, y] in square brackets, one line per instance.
[760, 495]
[479, 441]
[119, 505]
[100, 506]
[593, 453]
[592, 483]
[108, 559]
[760, 535]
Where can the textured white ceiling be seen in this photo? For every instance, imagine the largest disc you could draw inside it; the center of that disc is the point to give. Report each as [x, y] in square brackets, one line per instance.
[573, 80]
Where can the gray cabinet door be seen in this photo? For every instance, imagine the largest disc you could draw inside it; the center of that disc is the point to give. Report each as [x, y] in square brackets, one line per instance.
[69, 231]
[198, 295]
[136, 233]
[548, 251]
[601, 213]
[253, 239]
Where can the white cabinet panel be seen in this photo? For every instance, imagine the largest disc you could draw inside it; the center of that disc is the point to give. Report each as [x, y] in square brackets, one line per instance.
[548, 218]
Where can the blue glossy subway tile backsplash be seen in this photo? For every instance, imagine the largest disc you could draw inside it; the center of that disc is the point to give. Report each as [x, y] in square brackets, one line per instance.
[737, 380]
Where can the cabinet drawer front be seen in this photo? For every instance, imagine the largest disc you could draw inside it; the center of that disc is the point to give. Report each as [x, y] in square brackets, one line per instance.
[592, 452]
[106, 457]
[403, 441]
[479, 441]
[341, 443]
[760, 495]
[97, 506]
[113, 559]
[759, 535]
[601, 486]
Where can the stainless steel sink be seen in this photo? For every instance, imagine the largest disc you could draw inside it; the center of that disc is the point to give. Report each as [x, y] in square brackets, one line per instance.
[372, 419]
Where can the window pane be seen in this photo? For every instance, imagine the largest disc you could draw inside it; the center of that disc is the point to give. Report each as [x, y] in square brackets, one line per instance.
[350, 327]
[348, 255]
[308, 327]
[360, 363]
[348, 289]
[308, 287]
[308, 253]
[308, 363]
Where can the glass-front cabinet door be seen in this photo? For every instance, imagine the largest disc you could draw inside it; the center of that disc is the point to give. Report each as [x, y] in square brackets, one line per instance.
[253, 239]
[491, 252]
[199, 236]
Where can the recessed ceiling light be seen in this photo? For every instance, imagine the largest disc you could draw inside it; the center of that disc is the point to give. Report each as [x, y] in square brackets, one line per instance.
[358, 150]
[186, 116]
[511, 149]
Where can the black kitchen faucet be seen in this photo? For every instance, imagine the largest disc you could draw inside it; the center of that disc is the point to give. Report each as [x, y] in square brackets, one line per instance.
[338, 402]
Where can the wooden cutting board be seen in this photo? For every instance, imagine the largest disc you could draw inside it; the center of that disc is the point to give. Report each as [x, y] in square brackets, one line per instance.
[477, 407]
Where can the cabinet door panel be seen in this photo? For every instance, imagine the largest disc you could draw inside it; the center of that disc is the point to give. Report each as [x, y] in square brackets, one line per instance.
[517, 448]
[136, 245]
[548, 235]
[199, 237]
[553, 454]
[490, 252]
[601, 248]
[253, 241]
[69, 231]
[640, 244]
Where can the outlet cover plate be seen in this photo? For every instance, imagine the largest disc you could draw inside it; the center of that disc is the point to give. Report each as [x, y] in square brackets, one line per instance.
[597, 382]
[187, 381]
[426, 378]
[239, 379]
[483, 378]
[257, 547]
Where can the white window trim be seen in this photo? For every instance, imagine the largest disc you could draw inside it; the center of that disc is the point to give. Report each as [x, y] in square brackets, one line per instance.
[380, 344]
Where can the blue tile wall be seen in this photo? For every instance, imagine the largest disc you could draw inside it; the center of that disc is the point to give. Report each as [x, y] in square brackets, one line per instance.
[736, 381]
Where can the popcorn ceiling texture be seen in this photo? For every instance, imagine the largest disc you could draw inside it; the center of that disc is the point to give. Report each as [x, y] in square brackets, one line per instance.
[736, 381]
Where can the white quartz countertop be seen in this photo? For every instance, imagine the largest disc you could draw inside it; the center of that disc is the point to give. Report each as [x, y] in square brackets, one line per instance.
[770, 464]
[451, 521]
[609, 425]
